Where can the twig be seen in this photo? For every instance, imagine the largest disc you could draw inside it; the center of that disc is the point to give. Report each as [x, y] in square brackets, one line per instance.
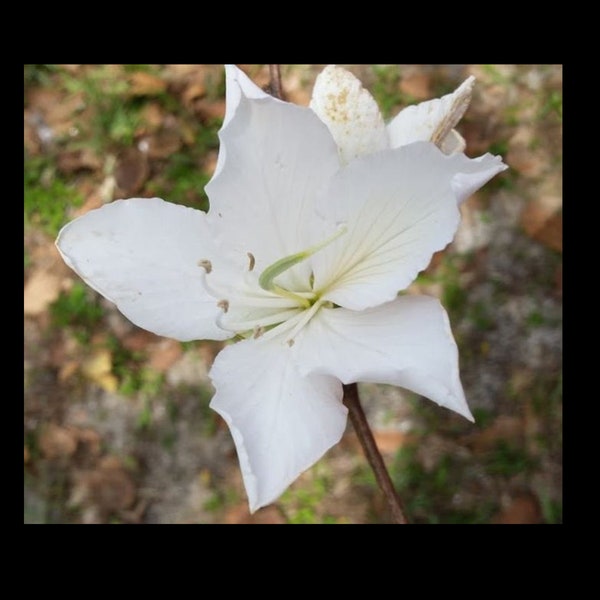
[275, 85]
[367, 441]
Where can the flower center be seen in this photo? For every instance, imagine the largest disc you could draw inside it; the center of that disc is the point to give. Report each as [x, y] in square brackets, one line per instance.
[258, 305]
[267, 277]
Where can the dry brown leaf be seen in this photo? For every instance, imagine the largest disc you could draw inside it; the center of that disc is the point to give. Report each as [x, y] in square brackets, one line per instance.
[417, 85]
[503, 428]
[239, 514]
[209, 109]
[391, 441]
[72, 161]
[98, 368]
[552, 233]
[164, 355]
[523, 510]
[542, 220]
[91, 439]
[42, 288]
[152, 115]
[67, 370]
[56, 442]
[131, 171]
[92, 202]
[139, 340]
[144, 84]
[193, 92]
[162, 144]
[107, 489]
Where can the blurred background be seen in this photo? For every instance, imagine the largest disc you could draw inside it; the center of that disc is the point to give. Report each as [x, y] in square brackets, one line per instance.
[117, 427]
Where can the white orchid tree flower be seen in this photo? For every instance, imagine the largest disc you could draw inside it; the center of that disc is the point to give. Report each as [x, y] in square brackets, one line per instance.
[302, 259]
[357, 126]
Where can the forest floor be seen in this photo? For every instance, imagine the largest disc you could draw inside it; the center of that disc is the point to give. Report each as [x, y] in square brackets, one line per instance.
[117, 427]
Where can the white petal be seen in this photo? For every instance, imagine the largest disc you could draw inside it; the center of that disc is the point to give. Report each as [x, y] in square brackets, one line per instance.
[399, 207]
[350, 112]
[142, 254]
[407, 342]
[433, 120]
[281, 422]
[278, 156]
[453, 143]
[235, 81]
[476, 174]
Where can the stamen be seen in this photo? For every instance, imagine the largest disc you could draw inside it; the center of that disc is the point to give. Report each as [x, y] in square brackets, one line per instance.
[224, 304]
[307, 315]
[205, 264]
[252, 261]
[287, 262]
[235, 322]
[258, 331]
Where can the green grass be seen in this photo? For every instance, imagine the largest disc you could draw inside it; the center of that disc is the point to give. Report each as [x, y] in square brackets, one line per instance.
[77, 309]
[507, 460]
[428, 496]
[386, 90]
[302, 502]
[47, 196]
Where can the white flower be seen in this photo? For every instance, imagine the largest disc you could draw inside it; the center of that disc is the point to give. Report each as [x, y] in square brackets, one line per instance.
[357, 126]
[303, 259]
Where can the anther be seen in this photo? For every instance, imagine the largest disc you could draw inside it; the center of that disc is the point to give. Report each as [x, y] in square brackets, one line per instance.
[252, 260]
[205, 264]
[258, 331]
[224, 304]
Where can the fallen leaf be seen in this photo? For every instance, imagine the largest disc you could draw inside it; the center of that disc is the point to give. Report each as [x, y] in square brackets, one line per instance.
[239, 514]
[390, 441]
[67, 370]
[152, 115]
[92, 202]
[209, 109]
[139, 340]
[523, 510]
[131, 171]
[98, 368]
[72, 161]
[56, 441]
[552, 233]
[162, 144]
[417, 85]
[503, 428]
[104, 490]
[538, 211]
[145, 84]
[91, 440]
[164, 355]
[42, 288]
[193, 92]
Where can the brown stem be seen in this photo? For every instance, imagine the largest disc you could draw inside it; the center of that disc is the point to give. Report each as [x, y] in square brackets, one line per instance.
[275, 85]
[367, 441]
